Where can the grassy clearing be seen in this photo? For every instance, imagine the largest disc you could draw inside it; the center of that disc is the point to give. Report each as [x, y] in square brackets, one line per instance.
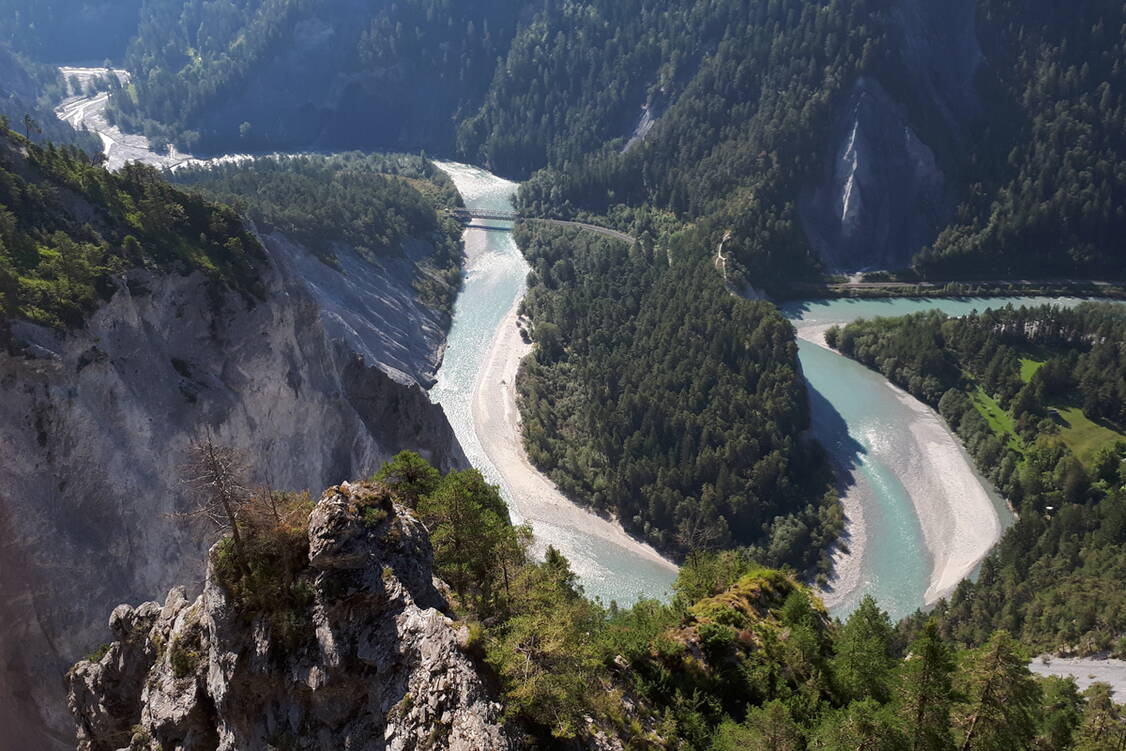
[1028, 368]
[1083, 436]
[999, 420]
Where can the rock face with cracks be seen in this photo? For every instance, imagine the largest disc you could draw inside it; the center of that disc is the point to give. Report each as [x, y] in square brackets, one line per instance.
[377, 663]
[95, 425]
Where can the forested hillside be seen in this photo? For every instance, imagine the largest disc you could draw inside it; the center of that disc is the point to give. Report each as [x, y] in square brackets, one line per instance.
[68, 228]
[656, 396]
[742, 658]
[28, 91]
[742, 94]
[1047, 178]
[374, 204]
[311, 73]
[722, 113]
[1037, 395]
[69, 31]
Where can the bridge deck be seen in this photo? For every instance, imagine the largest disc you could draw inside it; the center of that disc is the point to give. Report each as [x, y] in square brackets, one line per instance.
[468, 215]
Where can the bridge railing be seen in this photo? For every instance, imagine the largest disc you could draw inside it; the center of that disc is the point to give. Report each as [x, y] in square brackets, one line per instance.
[468, 214]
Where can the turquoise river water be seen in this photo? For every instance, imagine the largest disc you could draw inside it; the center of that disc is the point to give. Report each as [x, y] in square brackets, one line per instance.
[857, 415]
[864, 423]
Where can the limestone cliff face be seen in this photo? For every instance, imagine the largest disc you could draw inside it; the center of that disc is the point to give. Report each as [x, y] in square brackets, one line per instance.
[378, 666]
[94, 426]
[886, 189]
[371, 306]
[882, 196]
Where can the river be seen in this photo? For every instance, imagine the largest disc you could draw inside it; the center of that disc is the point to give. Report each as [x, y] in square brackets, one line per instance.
[919, 517]
[475, 386]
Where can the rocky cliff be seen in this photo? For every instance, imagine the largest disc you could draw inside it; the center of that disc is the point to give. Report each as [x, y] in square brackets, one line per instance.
[94, 425]
[377, 665]
[886, 189]
[371, 306]
[882, 196]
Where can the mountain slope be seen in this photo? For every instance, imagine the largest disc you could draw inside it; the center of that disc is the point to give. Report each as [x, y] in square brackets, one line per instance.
[312, 73]
[829, 134]
[336, 633]
[68, 30]
[172, 338]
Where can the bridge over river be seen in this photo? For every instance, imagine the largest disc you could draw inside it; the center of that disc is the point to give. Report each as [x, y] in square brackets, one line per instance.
[469, 215]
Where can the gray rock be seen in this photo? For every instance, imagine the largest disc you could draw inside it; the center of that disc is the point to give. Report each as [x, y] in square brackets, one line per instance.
[378, 666]
[882, 195]
[888, 186]
[92, 438]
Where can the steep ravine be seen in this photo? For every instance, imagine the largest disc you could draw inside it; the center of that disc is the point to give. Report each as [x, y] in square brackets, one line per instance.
[94, 426]
[889, 182]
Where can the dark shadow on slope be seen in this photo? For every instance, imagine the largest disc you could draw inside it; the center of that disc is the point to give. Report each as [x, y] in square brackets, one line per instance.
[845, 452]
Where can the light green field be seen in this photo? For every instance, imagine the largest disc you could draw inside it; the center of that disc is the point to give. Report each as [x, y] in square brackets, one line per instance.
[1028, 368]
[999, 420]
[1082, 436]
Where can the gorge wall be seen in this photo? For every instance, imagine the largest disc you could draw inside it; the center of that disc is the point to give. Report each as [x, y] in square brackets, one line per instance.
[94, 425]
[890, 179]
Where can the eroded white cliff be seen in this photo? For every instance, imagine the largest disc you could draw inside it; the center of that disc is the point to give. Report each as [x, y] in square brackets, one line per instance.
[885, 190]
[94, 425]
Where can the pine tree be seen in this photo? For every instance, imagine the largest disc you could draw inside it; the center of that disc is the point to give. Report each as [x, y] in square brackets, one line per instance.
[863, 662]
[1003, 698]
[767, 728]
[1103, 727]
[863, 726]
[924, 695]
[1060, 714]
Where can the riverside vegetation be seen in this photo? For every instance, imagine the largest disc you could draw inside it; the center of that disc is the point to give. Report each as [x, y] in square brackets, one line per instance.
[654, 395]
[375, 204]
[1037, 396]
[741, 657]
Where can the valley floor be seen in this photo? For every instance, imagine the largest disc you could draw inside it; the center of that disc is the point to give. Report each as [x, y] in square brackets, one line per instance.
[958, 519]
[496, 419]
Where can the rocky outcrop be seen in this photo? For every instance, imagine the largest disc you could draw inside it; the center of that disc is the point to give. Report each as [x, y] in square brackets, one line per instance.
[882, 195]
[887, 187]
[378, 664]
[372, 307]
[94, 426]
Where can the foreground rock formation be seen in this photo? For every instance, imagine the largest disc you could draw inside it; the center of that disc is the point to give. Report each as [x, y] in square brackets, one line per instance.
[374, 663]
[94, 428]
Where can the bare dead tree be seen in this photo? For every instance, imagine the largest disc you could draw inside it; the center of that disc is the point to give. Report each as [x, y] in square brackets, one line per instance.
[702, 530]
[216, 476]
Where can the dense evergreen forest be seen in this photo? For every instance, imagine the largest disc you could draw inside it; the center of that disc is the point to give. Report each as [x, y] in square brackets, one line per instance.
[742, 658]
[69, 31]
[744, 94]
[28, 93]
[1048, 185]
[68, 228]
[375, 204]
[1038, 397]
[294, 74]
[656, 396]
[720, 113]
